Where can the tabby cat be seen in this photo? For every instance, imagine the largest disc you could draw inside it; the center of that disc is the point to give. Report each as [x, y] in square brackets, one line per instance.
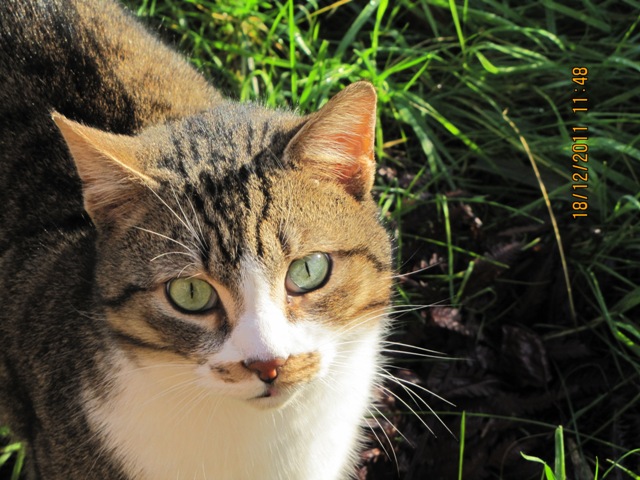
[190, 287]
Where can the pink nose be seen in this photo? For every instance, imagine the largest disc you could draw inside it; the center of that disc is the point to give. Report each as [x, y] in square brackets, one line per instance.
[267, 370]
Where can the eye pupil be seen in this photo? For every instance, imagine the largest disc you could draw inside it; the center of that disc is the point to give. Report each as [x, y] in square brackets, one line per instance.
[191, 295]
[308, 273]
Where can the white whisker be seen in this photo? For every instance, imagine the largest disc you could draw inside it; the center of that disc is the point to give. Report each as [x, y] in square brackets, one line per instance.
[417, 398]
[395, 458]
[407, 345]
[165, 237]
[195, 215]
[414, 354]
[170, 253]
[394, 427]
[393, 394]
[426, 390]
[181, 220]
[198, 240]
[408, 274]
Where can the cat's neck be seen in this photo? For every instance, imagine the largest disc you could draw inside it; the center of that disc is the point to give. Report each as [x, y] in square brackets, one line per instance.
[163, 425]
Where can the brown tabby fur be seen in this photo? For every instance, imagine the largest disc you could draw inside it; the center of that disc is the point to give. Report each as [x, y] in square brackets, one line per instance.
[121, 169]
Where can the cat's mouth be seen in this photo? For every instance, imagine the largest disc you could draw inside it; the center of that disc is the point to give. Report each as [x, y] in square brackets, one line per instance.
[272, 397]
[271, 392]
[268, 394]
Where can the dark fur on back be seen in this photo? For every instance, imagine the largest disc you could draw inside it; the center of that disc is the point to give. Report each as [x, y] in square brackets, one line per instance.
[77, 58]
[92, 63]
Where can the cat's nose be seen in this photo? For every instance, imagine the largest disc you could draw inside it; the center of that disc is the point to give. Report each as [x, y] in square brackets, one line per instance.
[267, 370]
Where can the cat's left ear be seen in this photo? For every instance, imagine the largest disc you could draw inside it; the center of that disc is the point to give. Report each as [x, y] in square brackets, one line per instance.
[110, 169]
[338, 141]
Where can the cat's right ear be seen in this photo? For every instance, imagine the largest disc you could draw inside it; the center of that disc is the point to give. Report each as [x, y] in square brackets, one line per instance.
[337, 142]
[109, 168]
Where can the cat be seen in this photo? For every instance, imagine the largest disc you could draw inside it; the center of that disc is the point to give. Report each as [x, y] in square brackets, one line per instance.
[190, 287]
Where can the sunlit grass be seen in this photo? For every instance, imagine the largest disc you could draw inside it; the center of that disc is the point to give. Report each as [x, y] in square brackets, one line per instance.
[461, 85]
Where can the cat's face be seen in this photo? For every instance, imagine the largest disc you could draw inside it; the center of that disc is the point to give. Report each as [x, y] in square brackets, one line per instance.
[241, 245]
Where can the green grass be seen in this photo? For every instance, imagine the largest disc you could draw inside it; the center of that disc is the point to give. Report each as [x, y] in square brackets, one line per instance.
[475, 145]
[559, 470]
[13, 453]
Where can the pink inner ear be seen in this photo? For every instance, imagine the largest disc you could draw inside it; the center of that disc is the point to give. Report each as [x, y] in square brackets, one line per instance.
[352, 146]
[352, 175]
[357, 144]
[107, 165]
[338, 141]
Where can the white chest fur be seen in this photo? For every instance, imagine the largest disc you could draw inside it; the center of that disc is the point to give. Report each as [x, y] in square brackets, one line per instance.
[164, 425]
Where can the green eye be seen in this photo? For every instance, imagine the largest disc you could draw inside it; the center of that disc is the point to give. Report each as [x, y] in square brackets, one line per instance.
[191, 294]
[308, 273]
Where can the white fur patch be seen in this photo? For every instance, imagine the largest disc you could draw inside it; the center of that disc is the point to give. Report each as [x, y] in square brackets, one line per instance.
[176, 421]
[263, 331]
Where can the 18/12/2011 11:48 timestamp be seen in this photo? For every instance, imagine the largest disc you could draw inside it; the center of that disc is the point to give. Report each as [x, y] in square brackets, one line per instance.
[579, 147]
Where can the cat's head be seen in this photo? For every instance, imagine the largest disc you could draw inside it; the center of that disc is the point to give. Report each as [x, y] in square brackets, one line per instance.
[241, 244]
